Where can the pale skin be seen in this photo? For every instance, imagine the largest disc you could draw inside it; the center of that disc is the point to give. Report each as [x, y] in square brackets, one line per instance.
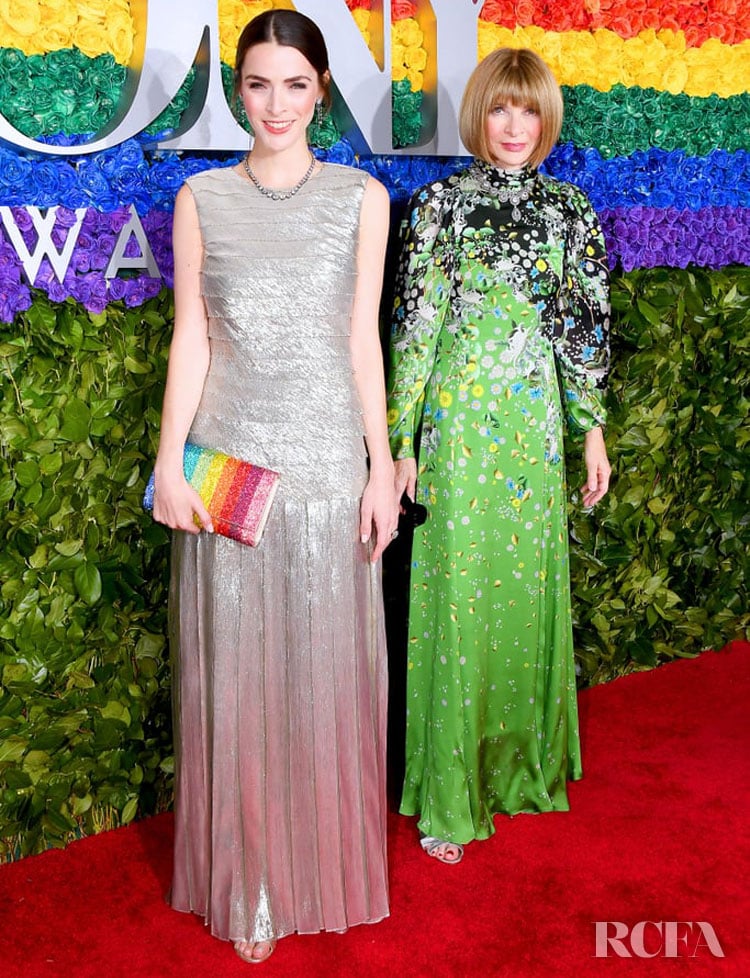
[513, 132]
[279, 89]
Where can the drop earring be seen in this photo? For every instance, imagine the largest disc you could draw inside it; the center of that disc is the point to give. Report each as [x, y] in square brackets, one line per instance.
[318, 116]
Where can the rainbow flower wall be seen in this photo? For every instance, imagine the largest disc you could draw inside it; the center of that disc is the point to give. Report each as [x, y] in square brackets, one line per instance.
[656, 130]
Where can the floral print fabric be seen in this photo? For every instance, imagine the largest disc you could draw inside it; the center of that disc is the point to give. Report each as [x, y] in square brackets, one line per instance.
[500, 330]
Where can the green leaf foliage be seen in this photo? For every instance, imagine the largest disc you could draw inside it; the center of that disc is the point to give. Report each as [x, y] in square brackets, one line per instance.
[84, 680]
[659, 569]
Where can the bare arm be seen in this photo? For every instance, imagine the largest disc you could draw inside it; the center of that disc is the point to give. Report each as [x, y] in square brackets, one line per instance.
[379, 509]
[175, 502]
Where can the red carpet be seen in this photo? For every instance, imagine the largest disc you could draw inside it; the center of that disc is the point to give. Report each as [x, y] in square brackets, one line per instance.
[658, 831]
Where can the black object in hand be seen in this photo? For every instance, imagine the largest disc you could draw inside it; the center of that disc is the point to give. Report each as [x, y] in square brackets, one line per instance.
[414, 514]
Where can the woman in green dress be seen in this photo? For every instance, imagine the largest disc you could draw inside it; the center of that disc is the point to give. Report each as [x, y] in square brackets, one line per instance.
[500, 334]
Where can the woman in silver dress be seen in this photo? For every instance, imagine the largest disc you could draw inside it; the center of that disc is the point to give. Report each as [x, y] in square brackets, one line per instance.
[279, 650]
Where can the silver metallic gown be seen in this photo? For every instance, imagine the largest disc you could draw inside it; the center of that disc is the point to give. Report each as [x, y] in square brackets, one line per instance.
[279, 650]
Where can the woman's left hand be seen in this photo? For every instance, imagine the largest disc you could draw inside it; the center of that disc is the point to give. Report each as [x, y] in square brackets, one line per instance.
[598, 469]
[379, 511]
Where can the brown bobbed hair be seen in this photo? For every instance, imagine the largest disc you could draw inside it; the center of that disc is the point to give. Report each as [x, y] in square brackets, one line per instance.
[292, 29]
[517, 76]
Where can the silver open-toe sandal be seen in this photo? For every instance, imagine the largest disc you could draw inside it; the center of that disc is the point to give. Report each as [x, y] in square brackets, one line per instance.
[254, 952]
[446, 852]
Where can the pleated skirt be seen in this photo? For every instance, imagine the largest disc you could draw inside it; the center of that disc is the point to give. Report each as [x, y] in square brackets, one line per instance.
[279, 693]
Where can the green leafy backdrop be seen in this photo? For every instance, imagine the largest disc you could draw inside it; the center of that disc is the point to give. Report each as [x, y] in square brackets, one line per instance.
[660, 569]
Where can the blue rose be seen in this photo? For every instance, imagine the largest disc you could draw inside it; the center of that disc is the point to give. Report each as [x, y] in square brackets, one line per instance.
[16, 175]
[341, 152]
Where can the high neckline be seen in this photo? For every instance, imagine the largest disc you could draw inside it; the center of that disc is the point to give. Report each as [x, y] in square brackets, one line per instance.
[497, 177]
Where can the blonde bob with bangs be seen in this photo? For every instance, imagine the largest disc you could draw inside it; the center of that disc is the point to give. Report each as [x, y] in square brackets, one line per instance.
[514, 76]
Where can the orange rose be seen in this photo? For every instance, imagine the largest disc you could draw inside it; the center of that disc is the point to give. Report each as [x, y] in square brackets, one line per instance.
[401, 9]
[525, 11]
[498, 12]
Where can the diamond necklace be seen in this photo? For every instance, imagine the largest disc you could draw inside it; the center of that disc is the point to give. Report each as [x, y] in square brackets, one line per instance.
[513, 196]
[512, 187]
[279, 194]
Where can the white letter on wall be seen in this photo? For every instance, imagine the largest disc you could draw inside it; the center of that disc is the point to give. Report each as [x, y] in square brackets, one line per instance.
[166, 43]
[144, 260]
[45, 246]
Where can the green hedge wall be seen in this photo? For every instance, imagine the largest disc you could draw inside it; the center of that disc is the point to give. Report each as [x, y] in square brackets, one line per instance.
[660, 569]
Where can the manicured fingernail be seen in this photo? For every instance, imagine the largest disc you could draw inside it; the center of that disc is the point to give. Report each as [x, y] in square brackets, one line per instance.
[364, 538]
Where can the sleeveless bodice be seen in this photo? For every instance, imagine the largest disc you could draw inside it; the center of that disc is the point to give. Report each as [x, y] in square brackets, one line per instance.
[278, 281]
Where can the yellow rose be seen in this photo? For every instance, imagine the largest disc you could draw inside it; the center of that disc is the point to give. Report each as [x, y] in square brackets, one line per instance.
[52, 37]
[672, 40]
[398, 55]
[120, 32]
[734, 72]
[22, 17]
[549, 49]
[529, 37]
[577, 55]
[59, 14]
[408, 32]
[416, 58]
[93, 9]
[703, 76]
[674, 77]
[415, 79]
[233, 15]
[398, 72]
[635, 53]
[362, 20]
[90, 37]
[49, 8]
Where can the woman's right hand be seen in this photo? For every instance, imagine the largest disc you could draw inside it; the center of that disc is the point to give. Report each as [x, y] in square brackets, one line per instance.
[406, 477]
[177, 504]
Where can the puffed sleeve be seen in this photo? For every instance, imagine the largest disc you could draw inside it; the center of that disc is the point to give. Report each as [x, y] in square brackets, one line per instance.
[422, 297]
[582, 328]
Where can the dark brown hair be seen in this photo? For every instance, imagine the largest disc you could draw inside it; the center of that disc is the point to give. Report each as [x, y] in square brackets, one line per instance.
[292, 29]
[517, 76]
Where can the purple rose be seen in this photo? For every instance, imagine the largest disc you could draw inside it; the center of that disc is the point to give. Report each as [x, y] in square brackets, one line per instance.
[117, 289]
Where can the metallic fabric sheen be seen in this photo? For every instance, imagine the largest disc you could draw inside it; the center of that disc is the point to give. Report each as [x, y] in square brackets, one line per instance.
[279, 651]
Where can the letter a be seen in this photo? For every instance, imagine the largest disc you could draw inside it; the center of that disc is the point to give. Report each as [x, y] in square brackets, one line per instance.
[711, 940]
[146, 259]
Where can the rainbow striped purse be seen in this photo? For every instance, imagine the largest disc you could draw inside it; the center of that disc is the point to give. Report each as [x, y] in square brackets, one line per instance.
[237, 494]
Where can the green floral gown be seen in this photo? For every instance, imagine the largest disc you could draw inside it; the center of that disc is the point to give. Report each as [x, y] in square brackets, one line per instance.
[501, 317]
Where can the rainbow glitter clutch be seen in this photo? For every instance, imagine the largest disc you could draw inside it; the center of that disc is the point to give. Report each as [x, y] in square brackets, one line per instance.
[237, 495]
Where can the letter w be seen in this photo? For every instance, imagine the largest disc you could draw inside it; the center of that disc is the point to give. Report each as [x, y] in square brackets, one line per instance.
[45, 246]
